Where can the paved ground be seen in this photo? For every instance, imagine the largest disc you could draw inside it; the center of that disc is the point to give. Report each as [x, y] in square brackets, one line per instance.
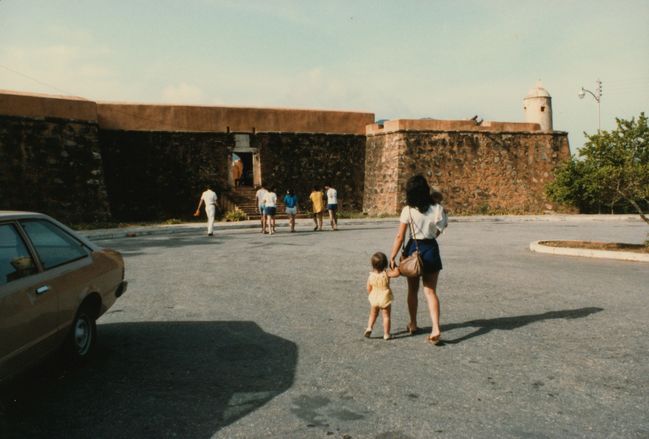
[252, 336]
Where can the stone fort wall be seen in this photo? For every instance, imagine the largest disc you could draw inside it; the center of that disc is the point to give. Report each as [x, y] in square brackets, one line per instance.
[151, 162]
[489, 168]
[83, 161]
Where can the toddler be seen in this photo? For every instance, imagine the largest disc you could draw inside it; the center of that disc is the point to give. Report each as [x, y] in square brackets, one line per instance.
[379, 293]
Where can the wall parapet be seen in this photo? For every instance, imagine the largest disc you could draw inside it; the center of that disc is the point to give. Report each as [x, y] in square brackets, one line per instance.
[183, 118]
[141, 117]
[392, 126]
[43, 106]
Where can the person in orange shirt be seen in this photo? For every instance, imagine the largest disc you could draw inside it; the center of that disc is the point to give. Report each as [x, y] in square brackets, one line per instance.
[317, 199]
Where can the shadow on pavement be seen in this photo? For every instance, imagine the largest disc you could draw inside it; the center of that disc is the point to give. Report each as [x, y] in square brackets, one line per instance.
[508, 323]
[153, 380]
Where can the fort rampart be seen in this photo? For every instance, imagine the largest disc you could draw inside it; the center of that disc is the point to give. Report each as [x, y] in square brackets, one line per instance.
[480, 169]
[87, 161]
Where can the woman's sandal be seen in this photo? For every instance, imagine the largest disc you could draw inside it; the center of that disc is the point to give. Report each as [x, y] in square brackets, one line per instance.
[434, 339]
[367, 333]
[387, 337]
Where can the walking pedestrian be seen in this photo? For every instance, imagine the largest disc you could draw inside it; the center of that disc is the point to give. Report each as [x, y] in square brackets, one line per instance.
[332, 206]
[379, 293]
[317, 200]
[290, 201]
[426, 219]
[208, 197]
[260, 195]
[270, 209]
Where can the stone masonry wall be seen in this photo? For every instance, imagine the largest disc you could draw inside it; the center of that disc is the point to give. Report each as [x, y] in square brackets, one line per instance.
[301, 160]
[382, 163]
[478, 172]
[52, 166]
[160, 175]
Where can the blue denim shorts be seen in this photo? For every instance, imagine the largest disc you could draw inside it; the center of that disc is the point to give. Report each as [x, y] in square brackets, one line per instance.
[333, 207]
[270, 210]
[429, 251]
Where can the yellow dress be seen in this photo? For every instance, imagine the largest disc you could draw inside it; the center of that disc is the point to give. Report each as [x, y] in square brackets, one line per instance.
[381, 294]
[318, 201]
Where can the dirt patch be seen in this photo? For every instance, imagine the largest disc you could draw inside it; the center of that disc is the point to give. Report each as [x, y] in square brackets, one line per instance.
[595, 245]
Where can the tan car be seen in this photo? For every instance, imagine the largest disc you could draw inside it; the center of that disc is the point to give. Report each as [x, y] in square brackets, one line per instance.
[54, 284]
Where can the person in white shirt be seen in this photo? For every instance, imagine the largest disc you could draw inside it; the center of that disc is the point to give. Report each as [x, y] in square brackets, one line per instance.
[260, 195]
[426, 219]
[332, 206]
[270, 209]
[208, 197]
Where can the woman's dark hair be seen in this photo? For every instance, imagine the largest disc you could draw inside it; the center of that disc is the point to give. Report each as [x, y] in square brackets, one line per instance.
[418, 193]
[379, 261]
[289, 191]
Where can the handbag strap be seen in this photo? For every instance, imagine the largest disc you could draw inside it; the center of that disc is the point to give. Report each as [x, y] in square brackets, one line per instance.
[412, 231]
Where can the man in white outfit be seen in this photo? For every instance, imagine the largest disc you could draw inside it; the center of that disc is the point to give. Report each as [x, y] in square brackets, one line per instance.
[209, 199]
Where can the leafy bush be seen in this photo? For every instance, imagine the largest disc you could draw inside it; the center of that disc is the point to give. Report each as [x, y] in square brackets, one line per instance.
[610, 172]
[235, 215]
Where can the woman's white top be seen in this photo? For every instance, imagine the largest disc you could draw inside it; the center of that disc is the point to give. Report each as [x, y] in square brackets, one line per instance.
[332, 196]
[270, 199]
[426, 225]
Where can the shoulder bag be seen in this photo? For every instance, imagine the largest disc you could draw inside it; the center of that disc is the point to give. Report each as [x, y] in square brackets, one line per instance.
[411, 266]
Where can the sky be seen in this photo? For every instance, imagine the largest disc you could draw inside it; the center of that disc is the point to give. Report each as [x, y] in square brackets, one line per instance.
[396, 59]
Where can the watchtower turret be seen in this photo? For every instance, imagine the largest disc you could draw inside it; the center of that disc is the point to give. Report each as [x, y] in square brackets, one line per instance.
[537, 107]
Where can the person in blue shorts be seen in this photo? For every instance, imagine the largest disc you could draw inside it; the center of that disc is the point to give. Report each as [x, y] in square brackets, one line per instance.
[290, 201]
[426, 219]
[270, 209]
[332, 206]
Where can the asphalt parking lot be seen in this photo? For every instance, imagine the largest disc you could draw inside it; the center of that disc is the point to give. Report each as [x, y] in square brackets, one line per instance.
[252, 336]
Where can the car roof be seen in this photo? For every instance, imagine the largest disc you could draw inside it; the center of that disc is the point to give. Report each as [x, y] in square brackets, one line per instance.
[13, 214]
[10, 215]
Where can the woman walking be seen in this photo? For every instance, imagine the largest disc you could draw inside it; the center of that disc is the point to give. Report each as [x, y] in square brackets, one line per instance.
[270, 209]
[426, 219]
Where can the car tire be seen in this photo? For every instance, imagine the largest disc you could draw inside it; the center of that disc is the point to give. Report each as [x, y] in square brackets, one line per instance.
[83, 335]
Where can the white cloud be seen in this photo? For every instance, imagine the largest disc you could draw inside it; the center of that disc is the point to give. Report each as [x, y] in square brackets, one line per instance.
[183, 93]
[71, 68]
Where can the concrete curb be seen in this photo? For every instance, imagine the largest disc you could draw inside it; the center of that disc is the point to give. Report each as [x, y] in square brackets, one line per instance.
[588, 253]
[163, 229]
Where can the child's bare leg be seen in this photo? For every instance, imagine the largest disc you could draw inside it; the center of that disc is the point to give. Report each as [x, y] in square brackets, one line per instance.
[374, 312]
[413, 302]
[385, 312]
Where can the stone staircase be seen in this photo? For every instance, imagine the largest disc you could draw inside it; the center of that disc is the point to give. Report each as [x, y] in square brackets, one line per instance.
[243, 197]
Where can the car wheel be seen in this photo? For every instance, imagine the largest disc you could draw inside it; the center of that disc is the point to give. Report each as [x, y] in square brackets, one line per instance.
[83, 335]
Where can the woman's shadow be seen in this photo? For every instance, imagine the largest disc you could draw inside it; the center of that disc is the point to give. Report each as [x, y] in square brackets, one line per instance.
[508, 323]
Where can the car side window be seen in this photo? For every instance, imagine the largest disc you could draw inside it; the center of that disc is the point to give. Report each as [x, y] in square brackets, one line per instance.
[15, 260]
[54, 246]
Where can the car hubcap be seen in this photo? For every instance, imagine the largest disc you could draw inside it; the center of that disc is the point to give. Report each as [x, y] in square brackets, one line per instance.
[82, 336]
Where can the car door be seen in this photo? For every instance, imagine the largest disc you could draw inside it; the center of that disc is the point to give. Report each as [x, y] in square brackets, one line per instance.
[28, 311]
[68, 263]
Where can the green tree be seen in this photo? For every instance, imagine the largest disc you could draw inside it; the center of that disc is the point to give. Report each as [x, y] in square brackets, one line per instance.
[611, 171]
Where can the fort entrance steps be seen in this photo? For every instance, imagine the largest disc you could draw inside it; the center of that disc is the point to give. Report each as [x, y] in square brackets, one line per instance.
[244, 198]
